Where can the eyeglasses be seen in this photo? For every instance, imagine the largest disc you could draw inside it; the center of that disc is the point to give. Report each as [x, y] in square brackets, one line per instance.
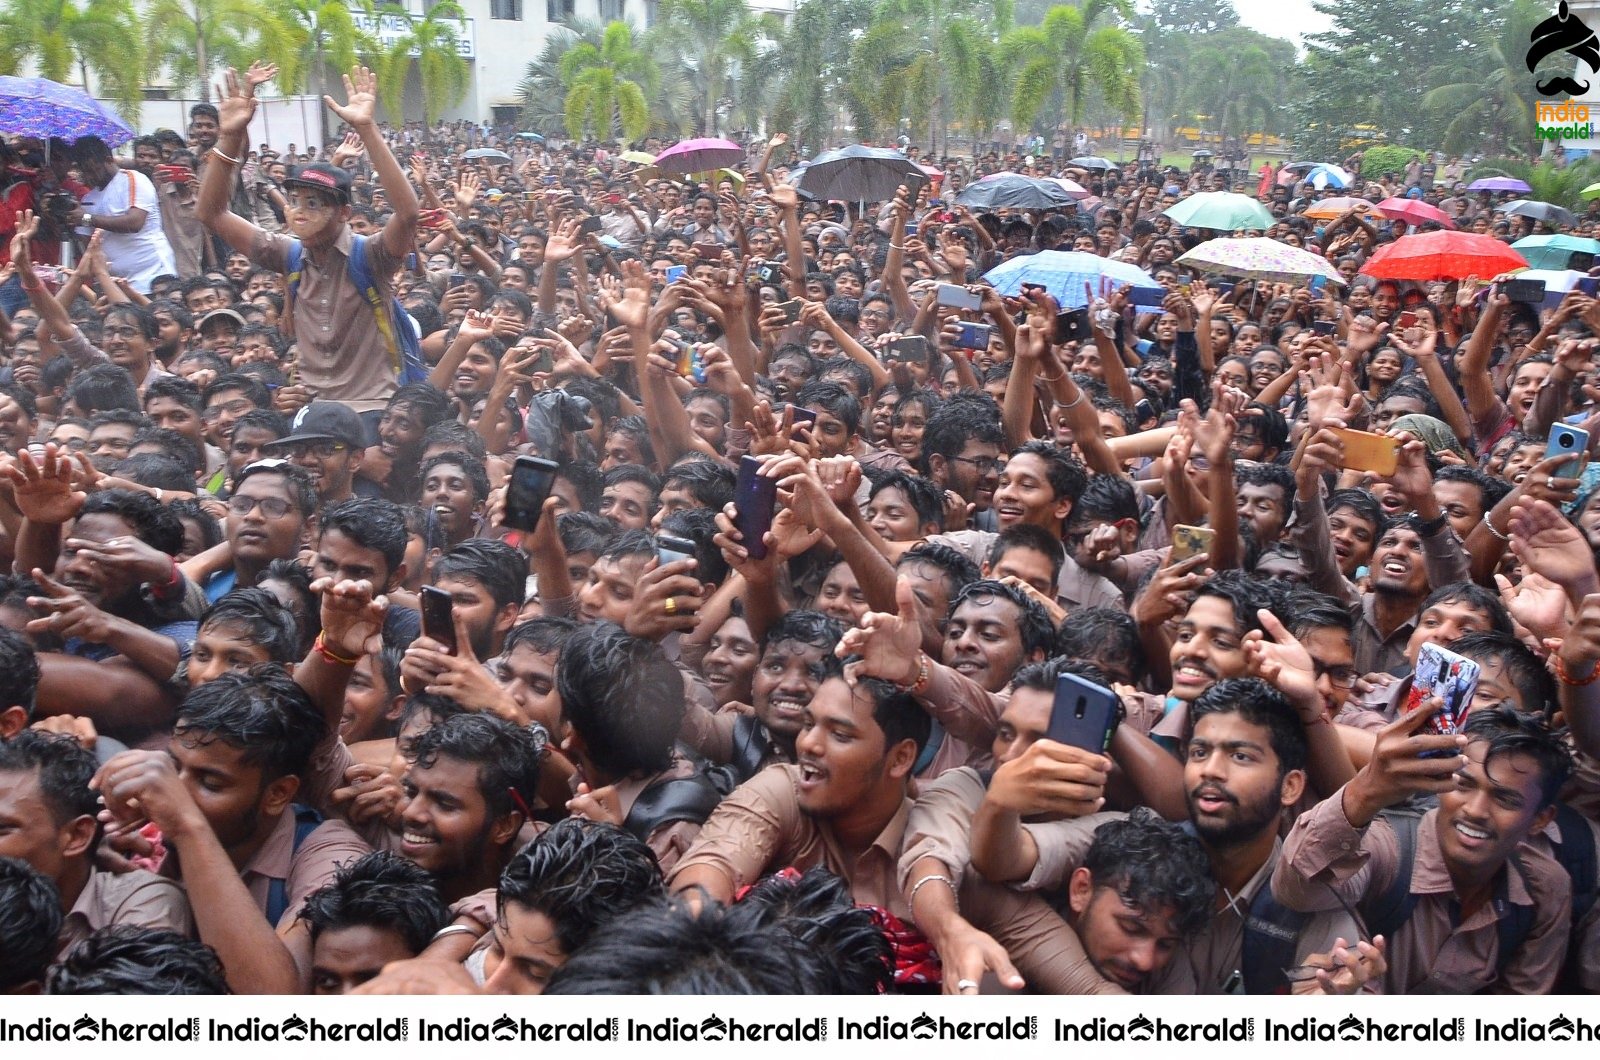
[236, 407]
[320, 450]
[120, 333]
[76, 445]
[981, 464]
[271, 507]
[1338, 676]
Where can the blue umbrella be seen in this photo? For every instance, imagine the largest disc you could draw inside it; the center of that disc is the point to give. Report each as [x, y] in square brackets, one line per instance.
[1328, 175]
[1064, 272]
[1554, 251]
[1015, 191]
[860, 174]
[33, 106]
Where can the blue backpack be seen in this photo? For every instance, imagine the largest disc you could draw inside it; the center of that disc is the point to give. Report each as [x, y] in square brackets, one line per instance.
[405, 349]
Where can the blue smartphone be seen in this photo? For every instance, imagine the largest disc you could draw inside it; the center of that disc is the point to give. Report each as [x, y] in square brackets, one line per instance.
[1566, 440]
[676, 272]
[1149, 297]
[1318, 283]
[1083, 715]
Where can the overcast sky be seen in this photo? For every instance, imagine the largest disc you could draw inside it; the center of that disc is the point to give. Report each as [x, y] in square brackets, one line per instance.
[1281, 18]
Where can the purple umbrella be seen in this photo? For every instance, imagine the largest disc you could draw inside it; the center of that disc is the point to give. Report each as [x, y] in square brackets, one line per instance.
[33, 106]
[701, 155]
[1498, 184]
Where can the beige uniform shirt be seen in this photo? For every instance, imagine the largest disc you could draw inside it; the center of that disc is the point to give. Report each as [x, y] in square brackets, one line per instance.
[137, 898]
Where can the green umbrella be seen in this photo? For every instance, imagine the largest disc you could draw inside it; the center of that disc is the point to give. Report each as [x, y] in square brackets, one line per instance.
[1225, 211]
[1591, 192]
[1555, 251]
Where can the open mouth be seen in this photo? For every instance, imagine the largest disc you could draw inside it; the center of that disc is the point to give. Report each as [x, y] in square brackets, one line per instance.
[1398, 567]
[1472, 836]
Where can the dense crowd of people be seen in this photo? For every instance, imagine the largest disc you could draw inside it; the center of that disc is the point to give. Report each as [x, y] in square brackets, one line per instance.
[776, 668]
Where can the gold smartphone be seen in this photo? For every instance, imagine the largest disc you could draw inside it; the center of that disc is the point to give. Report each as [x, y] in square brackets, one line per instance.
[1365, 451]
[1189, 541]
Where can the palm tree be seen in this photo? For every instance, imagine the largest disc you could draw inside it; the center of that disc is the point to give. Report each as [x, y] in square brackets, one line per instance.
[192, 37]
[56, 36]
[1234, 86]
[608, 86]
[1487, 93]
[1069, 55]
[714, 38]
[326, 41]
[428, 45]
[542, 91]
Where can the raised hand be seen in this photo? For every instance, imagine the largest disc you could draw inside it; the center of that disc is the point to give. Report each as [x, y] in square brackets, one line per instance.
[71, 615]
[361, 98]
[236, 104]
[1274, 655]
[1397, 768]
[259, 74]
[465, 190]
[43, 487]
[349, 149]
[1549, 545]
[352, 616]
[22, 240]
[889, 645]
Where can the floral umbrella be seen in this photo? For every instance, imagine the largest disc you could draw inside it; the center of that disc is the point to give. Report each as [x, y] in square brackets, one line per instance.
[34, 106]
[1258, 258]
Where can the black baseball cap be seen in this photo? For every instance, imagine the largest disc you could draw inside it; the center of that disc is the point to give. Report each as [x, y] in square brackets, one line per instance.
[322, 177]
[324, 421]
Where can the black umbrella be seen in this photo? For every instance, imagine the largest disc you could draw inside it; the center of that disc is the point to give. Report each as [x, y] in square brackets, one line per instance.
[1015, 191]
[860, 174]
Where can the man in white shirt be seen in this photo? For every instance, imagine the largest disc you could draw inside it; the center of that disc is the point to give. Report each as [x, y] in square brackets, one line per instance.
[123, 204]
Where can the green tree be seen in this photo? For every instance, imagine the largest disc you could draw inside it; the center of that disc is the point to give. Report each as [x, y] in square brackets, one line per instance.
[429, 46]
[713, 39]
[1238, 78]
[542, 91]
[1074, 51]
[1486, 95]
[325, 42]
[58, 38]
[608, 86]
[1549, 182]
[815, 52]
[193, 38]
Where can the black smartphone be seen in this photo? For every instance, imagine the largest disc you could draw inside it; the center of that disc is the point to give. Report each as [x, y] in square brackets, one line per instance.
[438, 623]
[457, 279]
[1072, 325]
[589, 226]
[545, 363]
[791, 309]
[531, 480]
[973, 336]
[1148, 297]
[1084, 714]
[754, 500]
[1589, 285]
[803, 415]
[910, 348]
[769, 273]
[672, 549]
[1324, 327]
[1530, 292]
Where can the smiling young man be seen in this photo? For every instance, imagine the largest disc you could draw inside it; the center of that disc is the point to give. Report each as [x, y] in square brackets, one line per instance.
[455, 488]
[343, 352]
[328, 441]
[1481, 909]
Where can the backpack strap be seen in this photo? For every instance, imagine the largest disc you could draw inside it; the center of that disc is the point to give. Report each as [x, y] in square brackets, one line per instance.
[670, 800]
[1389, 911]
[296, 260]
[361, 275]
[1271, 938]
[1513, 923]
[1578, 856]
[306, 821]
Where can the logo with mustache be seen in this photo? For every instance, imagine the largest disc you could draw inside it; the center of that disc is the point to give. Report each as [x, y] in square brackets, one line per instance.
[1563, 32]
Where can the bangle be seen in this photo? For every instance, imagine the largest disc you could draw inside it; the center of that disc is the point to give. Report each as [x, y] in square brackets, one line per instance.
[1497, 535]
[1567, 679]
[915, 887]
[322, 649]
[454, 929]
[217, 151]
[1074, 403]
[923, 673]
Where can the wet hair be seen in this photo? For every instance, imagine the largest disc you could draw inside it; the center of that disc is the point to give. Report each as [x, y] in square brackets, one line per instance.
[622, 697]
[102, 387]
[302, 488]
[1475, 596]
[586, 479]
[581, 875]
[1108, 498]
[262, 420]
[1066, 475]
[1255, 473]
[1041, 676]
[858, 374]
[668, 948]
[1259, 704]
[255, 391]
[64, 767]
[1510, 733]
[1312, 610]
[474, 470]
[156, 471]
[699, 525]
[456, 436]
[544, 635]
[380, 890]
[1026, 535]
[1034, 627]
[634, 473]
[963, 418]
[811, 628]
[1363, 504]
[30, 921]
[263, 713]
[175, 387]
[925, 498]
[958, 567]
[152, 522]
[585, 532]
[818, 910]
[430, 404]
[635, 428]
[1091, 633]
[707, 481]
[1154, 865]
[894, 710]
[835, 400]
[495, 565]
[125, 959]
[257, 613]
[1246, 595]
[371, 523]
[19, 665]
[188, 510]
[1525, 670]
[1492, 490]
[173, 446]
[507, 756]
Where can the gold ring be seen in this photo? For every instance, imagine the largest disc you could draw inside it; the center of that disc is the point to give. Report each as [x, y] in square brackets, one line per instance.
[671, 606]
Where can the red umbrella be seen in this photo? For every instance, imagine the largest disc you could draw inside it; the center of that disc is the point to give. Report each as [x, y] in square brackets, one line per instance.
[1442, 256]
[700, 155]
[1414, 211]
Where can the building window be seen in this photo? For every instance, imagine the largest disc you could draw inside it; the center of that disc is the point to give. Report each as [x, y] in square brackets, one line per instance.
[559, 10]
[611, 10]
[652, 12]
[508, 10]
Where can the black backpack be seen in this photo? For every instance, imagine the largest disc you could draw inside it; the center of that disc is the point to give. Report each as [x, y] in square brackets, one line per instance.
[1272, 930]
[670, 800]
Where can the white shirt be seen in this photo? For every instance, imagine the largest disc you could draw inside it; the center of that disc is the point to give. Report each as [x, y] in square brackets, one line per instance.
[140, 256]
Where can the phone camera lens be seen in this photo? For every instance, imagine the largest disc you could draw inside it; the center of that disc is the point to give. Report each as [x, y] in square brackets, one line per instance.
[1565, 439]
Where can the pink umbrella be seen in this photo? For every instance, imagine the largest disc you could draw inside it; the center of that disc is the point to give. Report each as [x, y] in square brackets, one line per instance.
[700, 155]
[1414, 211]
[1072, 187]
